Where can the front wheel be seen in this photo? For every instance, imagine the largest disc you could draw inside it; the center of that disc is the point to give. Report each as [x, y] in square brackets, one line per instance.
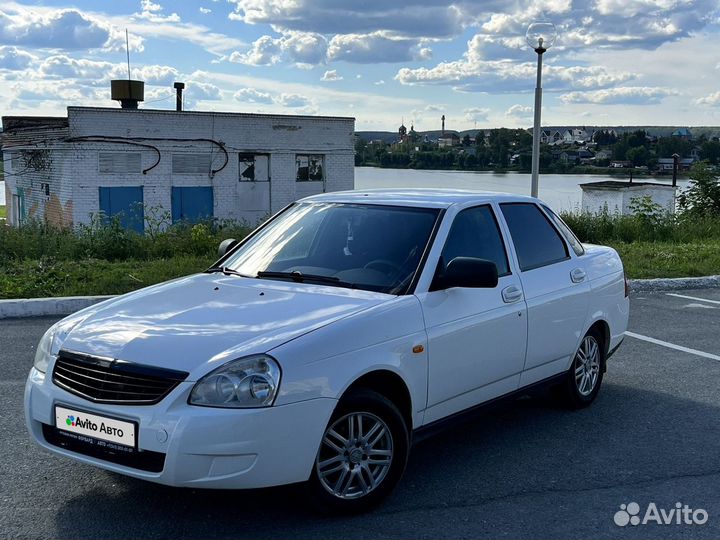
[362, 454]
[583, 379]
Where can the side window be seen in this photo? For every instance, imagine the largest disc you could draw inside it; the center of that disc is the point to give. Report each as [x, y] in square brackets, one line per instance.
[475, 233]
[537, 243]
[575, 244]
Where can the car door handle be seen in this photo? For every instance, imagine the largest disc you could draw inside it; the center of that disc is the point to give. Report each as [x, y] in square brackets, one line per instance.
[511, 294]
[578, 275]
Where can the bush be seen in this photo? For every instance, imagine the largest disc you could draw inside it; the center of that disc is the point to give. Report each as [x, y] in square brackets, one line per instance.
[702, 198]
[107, 240]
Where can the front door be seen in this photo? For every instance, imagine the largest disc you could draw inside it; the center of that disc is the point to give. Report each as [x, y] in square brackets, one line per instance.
[476, 337]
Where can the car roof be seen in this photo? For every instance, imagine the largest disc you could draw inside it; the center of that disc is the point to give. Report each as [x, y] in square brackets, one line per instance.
[419, 197]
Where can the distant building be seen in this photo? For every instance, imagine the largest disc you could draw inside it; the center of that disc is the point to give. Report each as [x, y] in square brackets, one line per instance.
[665, 165]
[683, 133]
[449, 140]
[192, 164]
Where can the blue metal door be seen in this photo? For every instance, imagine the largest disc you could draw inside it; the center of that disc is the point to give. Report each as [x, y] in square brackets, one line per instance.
[126, 203]
[192, 204]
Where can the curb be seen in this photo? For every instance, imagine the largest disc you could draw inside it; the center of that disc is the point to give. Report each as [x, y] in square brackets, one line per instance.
[38, 307]
[674, 284]
[65, 305]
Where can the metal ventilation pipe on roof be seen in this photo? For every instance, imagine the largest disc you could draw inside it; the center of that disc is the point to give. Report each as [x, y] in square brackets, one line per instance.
[178, 95]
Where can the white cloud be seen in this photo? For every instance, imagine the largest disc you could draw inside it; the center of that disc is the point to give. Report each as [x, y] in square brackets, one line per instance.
[519, 111]
[476, 114]
[375, 48]
[250, 95]
[331, 75]
[58, 29]
[379, 83]
[712, 100]
[505, 76]
[288, 100]
[202, 91]
[204, 10]
[434, 18]
[627, 95]
[153, 13]
[300, 47]
[15, 59]
[292, 100]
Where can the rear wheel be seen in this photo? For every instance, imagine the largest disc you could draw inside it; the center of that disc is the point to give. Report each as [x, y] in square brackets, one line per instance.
[583, 379]
[362, 454]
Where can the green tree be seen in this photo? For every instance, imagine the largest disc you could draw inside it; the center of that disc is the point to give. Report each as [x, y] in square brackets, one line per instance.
[710, 151]
[702, 198]
[639, 155]
[466, 140]
[667, 146]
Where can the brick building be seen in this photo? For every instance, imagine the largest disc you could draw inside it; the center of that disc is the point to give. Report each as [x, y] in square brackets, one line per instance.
[128, 162]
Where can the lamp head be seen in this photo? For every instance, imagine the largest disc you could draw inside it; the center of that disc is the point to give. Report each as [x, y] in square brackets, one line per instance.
[541, 35]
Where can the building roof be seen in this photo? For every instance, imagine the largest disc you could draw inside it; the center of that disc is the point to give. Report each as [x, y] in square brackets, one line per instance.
[419, 197]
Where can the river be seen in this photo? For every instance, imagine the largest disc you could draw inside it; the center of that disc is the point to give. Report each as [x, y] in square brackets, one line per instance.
[560, 191]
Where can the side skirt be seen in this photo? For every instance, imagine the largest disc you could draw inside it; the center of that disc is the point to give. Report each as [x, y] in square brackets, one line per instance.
[438, 426]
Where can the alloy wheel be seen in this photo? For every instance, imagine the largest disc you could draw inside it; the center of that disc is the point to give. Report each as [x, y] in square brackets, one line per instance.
[355, 455]
[587, 365]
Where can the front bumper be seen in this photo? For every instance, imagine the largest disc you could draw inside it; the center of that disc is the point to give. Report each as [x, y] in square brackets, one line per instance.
[203, 447]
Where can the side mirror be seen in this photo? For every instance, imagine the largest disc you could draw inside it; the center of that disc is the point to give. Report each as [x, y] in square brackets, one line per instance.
[225, 246]
[466, 272]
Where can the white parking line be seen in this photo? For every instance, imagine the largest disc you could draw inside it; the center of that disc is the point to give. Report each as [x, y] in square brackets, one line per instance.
[673, 346]
[692, 298]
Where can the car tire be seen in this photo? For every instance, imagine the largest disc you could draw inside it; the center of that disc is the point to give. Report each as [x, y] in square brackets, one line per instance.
[583, 379]
[362, 454]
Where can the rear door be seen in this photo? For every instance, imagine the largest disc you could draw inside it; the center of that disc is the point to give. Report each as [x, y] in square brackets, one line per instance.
[476, 337]
[556, 290]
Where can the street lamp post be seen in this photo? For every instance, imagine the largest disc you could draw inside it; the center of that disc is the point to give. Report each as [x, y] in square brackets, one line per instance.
[540, 36]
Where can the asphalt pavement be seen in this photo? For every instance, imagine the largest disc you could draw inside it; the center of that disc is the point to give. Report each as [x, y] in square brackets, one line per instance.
[528, 469]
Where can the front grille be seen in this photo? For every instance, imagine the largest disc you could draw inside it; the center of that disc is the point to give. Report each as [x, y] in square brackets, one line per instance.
[145, 460]
[104, 380]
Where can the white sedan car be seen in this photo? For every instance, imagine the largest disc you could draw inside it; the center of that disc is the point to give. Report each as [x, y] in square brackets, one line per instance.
[316, 348]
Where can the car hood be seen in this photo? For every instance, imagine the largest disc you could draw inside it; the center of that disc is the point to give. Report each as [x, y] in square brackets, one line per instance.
[209, 319]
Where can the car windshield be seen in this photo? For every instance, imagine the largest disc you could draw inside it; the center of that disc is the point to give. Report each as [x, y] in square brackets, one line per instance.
[363, 246]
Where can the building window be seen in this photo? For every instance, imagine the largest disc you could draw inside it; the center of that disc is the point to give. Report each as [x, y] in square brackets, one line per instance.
[119, 162]
[309, 168]
[246, 166]
[191, 163]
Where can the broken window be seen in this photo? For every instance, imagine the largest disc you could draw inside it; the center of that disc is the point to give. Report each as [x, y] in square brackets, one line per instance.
[246, 167]
[309, 168]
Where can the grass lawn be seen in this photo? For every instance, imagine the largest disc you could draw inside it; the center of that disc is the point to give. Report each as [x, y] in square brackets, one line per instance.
[41, 278]
[3, 212]
[670, 259]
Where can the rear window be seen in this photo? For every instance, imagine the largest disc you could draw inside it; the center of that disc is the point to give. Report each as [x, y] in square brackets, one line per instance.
[537, 243]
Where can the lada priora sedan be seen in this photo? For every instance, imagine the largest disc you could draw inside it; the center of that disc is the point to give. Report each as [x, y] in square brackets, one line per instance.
[315, 349]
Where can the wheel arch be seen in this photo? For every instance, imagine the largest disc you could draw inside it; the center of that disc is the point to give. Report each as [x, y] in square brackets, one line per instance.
[390, 385]
[603, 328]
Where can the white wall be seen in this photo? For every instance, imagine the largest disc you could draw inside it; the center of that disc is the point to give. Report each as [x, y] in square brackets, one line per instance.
[75, 177]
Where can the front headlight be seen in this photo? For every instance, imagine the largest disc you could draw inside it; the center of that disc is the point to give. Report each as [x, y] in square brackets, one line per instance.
[51, 342]
[247, 382]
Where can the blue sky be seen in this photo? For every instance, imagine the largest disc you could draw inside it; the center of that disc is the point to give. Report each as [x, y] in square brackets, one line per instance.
[615, 62]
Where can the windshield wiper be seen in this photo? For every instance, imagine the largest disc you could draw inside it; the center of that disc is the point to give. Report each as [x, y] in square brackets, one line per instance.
[225, 270]
[299, 277]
